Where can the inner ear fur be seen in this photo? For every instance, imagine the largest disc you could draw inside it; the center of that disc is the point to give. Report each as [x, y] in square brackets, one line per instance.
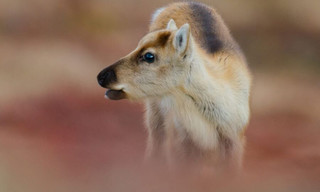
[182, 38]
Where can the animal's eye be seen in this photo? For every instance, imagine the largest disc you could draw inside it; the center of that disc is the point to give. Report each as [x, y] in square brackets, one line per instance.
[148, 57]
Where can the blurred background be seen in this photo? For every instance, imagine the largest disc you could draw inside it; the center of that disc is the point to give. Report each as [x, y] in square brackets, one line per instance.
[58, 133]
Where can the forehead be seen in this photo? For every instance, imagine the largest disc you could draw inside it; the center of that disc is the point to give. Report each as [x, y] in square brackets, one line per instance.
[155, 39]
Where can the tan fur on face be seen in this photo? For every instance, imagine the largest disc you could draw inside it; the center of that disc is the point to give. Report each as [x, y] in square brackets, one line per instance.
[141, 79]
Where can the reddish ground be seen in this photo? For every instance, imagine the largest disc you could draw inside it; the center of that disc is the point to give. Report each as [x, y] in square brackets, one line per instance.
[70, 140]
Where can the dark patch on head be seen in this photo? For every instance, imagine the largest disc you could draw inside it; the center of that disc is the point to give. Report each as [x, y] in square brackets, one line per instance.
[163, 38]
[204, 18]
[161, 41]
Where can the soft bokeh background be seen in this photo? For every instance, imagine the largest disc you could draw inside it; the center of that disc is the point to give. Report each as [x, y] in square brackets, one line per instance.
[58, 133]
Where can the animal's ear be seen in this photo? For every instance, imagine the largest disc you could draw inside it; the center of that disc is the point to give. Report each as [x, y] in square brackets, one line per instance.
[172, 25]
[181, 39]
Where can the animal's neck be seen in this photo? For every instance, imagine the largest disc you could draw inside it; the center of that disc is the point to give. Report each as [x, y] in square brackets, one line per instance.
[213, 96]
[208, 93]
[192, 106]
[199, 84]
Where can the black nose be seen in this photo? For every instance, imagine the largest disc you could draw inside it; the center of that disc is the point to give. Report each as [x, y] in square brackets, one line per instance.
[106, 76]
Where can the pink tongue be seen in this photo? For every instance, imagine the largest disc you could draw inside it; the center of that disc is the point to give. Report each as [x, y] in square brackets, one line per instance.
[115, 94]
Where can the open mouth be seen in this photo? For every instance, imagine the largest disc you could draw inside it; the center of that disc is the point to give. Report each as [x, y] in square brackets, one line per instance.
[115, 94]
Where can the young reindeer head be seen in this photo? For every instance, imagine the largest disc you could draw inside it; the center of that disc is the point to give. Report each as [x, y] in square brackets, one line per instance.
[155, 68]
